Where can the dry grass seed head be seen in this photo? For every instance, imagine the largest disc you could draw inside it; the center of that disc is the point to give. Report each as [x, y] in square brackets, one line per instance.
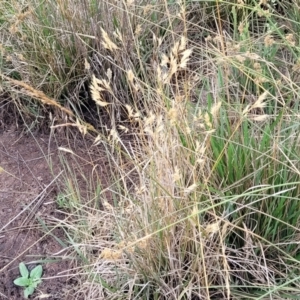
[269, 41]
[36, 94]
[259, 102]
[96, 92]
[185, 58]
[290, 38]
[215, 109]
[107, 42]
[173, 115]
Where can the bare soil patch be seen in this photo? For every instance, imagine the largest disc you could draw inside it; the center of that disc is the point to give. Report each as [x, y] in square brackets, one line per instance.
[25, 178]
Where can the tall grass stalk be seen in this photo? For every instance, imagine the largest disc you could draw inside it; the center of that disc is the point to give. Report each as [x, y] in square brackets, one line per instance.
[194, 105]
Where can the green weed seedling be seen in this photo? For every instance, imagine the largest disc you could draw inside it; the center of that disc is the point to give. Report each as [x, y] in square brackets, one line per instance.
[28, 280]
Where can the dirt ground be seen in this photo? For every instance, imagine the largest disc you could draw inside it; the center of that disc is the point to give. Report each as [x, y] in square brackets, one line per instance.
[28, 190]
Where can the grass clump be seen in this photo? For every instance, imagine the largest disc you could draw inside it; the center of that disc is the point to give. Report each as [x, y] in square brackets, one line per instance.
[194, 106]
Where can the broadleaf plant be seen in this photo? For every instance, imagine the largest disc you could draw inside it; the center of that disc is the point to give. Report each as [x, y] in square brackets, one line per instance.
[29, 280]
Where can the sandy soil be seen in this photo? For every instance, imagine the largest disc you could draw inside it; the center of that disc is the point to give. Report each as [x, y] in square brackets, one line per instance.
[28, 190]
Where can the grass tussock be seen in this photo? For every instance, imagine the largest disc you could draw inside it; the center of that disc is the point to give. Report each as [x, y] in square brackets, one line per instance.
[195, 107]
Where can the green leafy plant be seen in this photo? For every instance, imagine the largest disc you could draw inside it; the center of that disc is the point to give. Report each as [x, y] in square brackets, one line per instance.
[29, 280]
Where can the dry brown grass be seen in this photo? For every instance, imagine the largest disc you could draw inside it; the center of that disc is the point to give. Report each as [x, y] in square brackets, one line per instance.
[192, 109]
